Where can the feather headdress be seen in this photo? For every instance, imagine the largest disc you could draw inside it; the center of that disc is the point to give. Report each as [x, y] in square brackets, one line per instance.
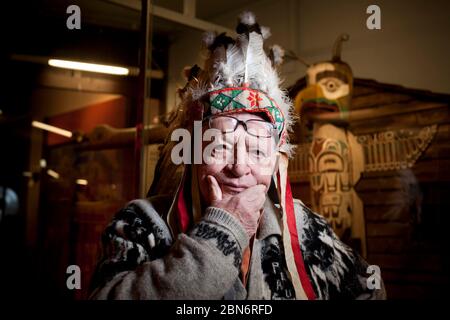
[239, 76]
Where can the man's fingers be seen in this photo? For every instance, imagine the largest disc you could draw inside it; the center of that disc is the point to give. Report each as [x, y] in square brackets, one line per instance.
[254, 192]
[215, 191]
[261, 191]
[255, 196]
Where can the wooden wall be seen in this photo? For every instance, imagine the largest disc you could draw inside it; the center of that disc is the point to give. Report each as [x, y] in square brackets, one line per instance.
[406, 211]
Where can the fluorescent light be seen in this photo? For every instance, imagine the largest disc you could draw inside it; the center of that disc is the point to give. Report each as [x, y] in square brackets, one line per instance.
[53, 174]
[91, 67]
[47, 127]
[83, 182]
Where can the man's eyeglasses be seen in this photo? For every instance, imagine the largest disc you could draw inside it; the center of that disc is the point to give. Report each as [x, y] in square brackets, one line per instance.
[254, 127]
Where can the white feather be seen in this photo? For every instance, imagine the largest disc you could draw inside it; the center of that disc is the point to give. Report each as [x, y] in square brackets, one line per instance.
[245, 62]
[208, 38]
[265, 31]
[247, 18]
[278, 54]
[233, 68]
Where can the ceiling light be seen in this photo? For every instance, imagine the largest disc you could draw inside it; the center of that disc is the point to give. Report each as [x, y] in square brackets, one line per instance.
[91, 67]
[43, 163]
[82, 182]
[53, 174]
[47, 127]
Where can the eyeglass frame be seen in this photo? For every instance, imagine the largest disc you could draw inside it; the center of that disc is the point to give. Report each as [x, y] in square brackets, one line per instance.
[244, 125]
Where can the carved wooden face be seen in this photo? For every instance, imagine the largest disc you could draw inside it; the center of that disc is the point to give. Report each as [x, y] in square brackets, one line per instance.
[330, 181]
[335, 166]
[329, 89]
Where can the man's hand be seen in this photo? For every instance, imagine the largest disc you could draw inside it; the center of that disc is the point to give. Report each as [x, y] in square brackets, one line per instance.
[246, 206]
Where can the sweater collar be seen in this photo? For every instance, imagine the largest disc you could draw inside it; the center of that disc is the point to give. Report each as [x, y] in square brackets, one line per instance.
[271, 220]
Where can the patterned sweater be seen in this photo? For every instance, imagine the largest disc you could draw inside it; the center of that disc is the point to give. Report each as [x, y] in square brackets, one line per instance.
[141, 259]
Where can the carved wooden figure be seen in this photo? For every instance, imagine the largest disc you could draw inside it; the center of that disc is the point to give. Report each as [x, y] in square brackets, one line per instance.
[334, 158]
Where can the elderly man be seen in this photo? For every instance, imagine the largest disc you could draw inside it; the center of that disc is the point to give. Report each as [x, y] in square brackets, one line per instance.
[231, 229]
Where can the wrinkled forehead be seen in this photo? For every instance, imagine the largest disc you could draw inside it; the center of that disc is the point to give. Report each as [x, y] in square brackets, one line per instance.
[242, 139]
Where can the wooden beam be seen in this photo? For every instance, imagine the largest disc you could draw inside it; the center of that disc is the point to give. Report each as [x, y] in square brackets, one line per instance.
[106, 137]
[69, 80]
[189, 8]
[379, 112]
[181, 18]
[377, 99]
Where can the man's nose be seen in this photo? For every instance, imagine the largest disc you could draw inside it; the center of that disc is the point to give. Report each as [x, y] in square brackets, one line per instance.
[240, 165]
[239, 170]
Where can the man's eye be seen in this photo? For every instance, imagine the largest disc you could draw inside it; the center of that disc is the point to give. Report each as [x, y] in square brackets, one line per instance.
[257, 152]
[221, 148]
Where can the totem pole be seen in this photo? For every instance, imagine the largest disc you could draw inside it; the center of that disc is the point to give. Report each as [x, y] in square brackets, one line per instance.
[334, 158]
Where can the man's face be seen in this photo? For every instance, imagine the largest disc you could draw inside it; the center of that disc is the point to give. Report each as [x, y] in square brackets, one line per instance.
[242, 160]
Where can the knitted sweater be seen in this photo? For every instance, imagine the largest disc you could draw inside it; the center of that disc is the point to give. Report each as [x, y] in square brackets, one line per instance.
[141, 260]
